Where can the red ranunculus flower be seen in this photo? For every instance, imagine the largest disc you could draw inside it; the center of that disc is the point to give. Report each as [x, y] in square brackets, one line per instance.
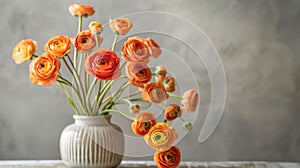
[103, 64]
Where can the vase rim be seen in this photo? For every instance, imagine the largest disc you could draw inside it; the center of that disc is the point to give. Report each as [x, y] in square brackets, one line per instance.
[102, 120]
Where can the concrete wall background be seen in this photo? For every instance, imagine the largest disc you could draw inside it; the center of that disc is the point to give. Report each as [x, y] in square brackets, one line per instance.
[258, 42]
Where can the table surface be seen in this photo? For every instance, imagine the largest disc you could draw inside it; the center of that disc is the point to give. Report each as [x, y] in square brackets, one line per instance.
[146, 164]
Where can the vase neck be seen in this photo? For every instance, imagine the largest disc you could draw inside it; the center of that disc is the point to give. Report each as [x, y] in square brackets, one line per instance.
[103, 120]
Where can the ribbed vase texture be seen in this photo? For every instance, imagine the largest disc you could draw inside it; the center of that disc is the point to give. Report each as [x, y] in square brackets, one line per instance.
[92, 142]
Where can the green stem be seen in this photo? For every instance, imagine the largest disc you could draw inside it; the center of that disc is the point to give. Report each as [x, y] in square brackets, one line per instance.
[89, 95]
[34, 56]
[114, 96]
[117, 111]
[115, 42]
[133, 94]
[80, 63]
[69, 97]
[79, 30]
[79, 24]
[76, 77]
[182, 120]
[175, 96]
[105, 90]
[97, 41]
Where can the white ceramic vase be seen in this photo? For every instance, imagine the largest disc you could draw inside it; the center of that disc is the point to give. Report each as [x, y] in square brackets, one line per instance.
[92, 141]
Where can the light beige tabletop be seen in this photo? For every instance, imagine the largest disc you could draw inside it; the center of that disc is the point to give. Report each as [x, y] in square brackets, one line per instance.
[146, 164]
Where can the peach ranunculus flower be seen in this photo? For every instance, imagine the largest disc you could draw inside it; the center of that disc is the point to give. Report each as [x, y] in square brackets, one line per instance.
[143, 123]
[103, 64]
[138, 73]
[161, 136]
[58, 46]
[172, 112]
[169, 84]
[168, 159]
[120, 25]
[160, 73]
[81, 10]
[190, 100]
[24, 50]
[154, 92]
[95, 27]
[153, 47]
[44, 69]
[85, 41]
[134, 50]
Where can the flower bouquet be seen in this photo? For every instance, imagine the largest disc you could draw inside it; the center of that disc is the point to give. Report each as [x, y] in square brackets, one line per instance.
[94, 70]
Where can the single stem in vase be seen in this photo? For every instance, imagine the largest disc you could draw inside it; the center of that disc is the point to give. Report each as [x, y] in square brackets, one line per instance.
[117, 111]
[115, 42]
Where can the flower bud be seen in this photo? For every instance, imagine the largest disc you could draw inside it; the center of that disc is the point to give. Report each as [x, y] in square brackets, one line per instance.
[187, 126]
[96, 27]
[169, 84]
[160, 73]
[134, 108]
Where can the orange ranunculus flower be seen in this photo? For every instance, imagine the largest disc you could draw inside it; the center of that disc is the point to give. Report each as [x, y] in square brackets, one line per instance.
[172, 112]
[153, 47]
[168, 159]
[44, 69]
[134, 50]
[120, 25]
[154, 92]
[160, 73]
[95, 27]
[143, 123]
[103, 64]
[81, 10]
[169, 84]
[84, 41]
[138, 73]
[58, 46]
[190, 100]
[161, 136]
[24, 50]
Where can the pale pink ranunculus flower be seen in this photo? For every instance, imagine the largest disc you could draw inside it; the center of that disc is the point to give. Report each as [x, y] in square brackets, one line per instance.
[190, 100]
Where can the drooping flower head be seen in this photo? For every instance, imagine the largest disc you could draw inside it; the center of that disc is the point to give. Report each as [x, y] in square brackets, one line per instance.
[120, 25]
[168, 159]
[44, 69]
[138, 73]
[143, 123]
[134, 50]
[81, 10]
[154, 92]
[58, 46]
[161, 136]
[85, 41]
[103, 64]
[24, 50]
[172, 112]
[190, 100]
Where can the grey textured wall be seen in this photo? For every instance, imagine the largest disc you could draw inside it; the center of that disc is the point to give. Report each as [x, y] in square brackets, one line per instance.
[258, 41]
